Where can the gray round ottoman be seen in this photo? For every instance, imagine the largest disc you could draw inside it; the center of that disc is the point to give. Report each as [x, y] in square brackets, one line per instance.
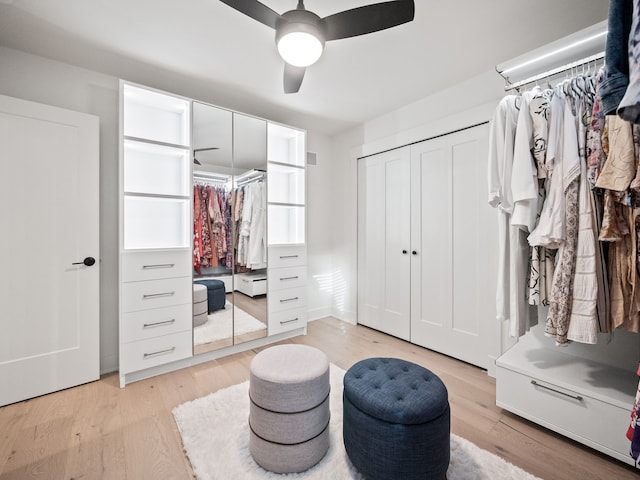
[199, 305]
[396, 420]
[289, 408]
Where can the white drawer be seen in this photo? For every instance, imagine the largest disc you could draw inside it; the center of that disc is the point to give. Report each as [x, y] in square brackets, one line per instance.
[290, 277]
[155, 351]
[588, 420]
[251, 285]
[286, 320]
[156, 264]
[156, 294]
[153, 323]
[287, 299]
[287, 256]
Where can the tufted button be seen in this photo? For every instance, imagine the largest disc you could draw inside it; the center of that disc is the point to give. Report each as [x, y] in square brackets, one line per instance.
[400, 399]
[405, 369]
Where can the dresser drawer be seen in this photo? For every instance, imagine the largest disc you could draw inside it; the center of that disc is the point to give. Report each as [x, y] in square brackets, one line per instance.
[156, 322]
[156, 294]
[287, 256]
[152, 265]
[591, 421]
[287, 299]
[286, 320]
[155, 351]
[290, 277]
[251, 285]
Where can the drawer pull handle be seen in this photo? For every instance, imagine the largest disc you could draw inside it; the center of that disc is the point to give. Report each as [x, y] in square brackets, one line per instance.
[157, 324]
[289, 321]
[289, 278]
[289, 256]
[575, 397]
[159, 265]
[159, 352]
[289, 299]
[148, 296]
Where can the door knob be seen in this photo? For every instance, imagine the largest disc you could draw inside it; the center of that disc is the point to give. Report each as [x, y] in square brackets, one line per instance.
[414, 252]
[87, 261]
[404, 252]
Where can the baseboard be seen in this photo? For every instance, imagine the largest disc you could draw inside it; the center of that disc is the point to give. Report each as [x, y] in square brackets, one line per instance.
[108, 364]
[318, 313]
[345, 316]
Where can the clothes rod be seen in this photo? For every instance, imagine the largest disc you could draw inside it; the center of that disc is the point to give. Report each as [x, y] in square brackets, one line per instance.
[550, 73]
[212, 177]
[250, 175]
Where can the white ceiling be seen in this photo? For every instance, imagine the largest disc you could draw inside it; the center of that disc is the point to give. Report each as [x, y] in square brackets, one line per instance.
[207, 50]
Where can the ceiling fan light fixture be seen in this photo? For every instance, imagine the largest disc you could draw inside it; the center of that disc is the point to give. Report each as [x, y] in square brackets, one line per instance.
[300, 44]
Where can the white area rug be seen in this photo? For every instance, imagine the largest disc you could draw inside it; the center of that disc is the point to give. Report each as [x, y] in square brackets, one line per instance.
[218, 325]
[215, 435]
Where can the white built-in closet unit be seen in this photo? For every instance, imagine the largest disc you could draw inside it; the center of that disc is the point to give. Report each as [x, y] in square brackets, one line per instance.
[156, 228]
[427, 245]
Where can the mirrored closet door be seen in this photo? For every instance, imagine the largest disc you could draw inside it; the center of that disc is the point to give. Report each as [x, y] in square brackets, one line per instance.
[229, 228]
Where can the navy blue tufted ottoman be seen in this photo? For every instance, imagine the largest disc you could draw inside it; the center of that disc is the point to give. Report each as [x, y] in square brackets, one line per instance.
[396, 420]
[216, 294]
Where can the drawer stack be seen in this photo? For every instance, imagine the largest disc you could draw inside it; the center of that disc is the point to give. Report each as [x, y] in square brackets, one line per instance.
[156, 309]
[287, 280]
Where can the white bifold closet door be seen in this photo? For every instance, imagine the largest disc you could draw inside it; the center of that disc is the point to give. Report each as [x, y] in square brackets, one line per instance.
[49, 287]
[427, 246]
[384, 230]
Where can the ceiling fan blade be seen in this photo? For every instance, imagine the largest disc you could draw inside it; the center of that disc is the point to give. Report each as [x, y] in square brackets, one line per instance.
[368, 19]
[255, 10]
[293, 78]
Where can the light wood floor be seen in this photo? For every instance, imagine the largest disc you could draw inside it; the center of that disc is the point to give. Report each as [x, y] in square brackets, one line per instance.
[99, 431]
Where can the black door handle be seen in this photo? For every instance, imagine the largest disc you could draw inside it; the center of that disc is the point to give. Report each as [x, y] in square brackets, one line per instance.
[87, 261]
[414, 252]
[404, 252]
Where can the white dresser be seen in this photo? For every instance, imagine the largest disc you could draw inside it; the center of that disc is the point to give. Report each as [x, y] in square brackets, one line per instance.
[287, 273]
[155, 243]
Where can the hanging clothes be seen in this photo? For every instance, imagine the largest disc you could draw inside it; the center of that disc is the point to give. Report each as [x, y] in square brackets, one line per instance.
[513, 254]
[565, 175]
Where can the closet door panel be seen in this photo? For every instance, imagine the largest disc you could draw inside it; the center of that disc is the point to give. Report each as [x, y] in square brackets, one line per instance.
[384, 250]
[466, 237]
[474, 251]
[431, 240]
[453, 289]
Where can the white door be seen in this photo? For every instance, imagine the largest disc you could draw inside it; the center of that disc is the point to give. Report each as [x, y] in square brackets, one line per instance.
[49, 207]
[383, 242]
[453, 275]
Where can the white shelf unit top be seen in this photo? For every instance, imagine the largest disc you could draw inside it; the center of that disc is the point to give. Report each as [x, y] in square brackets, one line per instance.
[155, 116]
[602, 382]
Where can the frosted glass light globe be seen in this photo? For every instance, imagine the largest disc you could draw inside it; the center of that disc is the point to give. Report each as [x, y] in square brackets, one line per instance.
[300, 49]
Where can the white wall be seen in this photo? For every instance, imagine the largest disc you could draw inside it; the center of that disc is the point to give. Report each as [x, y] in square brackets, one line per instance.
[467, 103]
[37, 79]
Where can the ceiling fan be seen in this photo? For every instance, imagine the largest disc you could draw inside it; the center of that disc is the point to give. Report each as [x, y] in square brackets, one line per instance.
[301, 34]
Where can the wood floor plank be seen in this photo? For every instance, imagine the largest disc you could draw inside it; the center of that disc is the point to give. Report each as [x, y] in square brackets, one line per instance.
[96, 446]
[101, 431]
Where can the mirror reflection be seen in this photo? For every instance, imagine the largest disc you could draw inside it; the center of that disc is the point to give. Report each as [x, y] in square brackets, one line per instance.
[229, 228]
